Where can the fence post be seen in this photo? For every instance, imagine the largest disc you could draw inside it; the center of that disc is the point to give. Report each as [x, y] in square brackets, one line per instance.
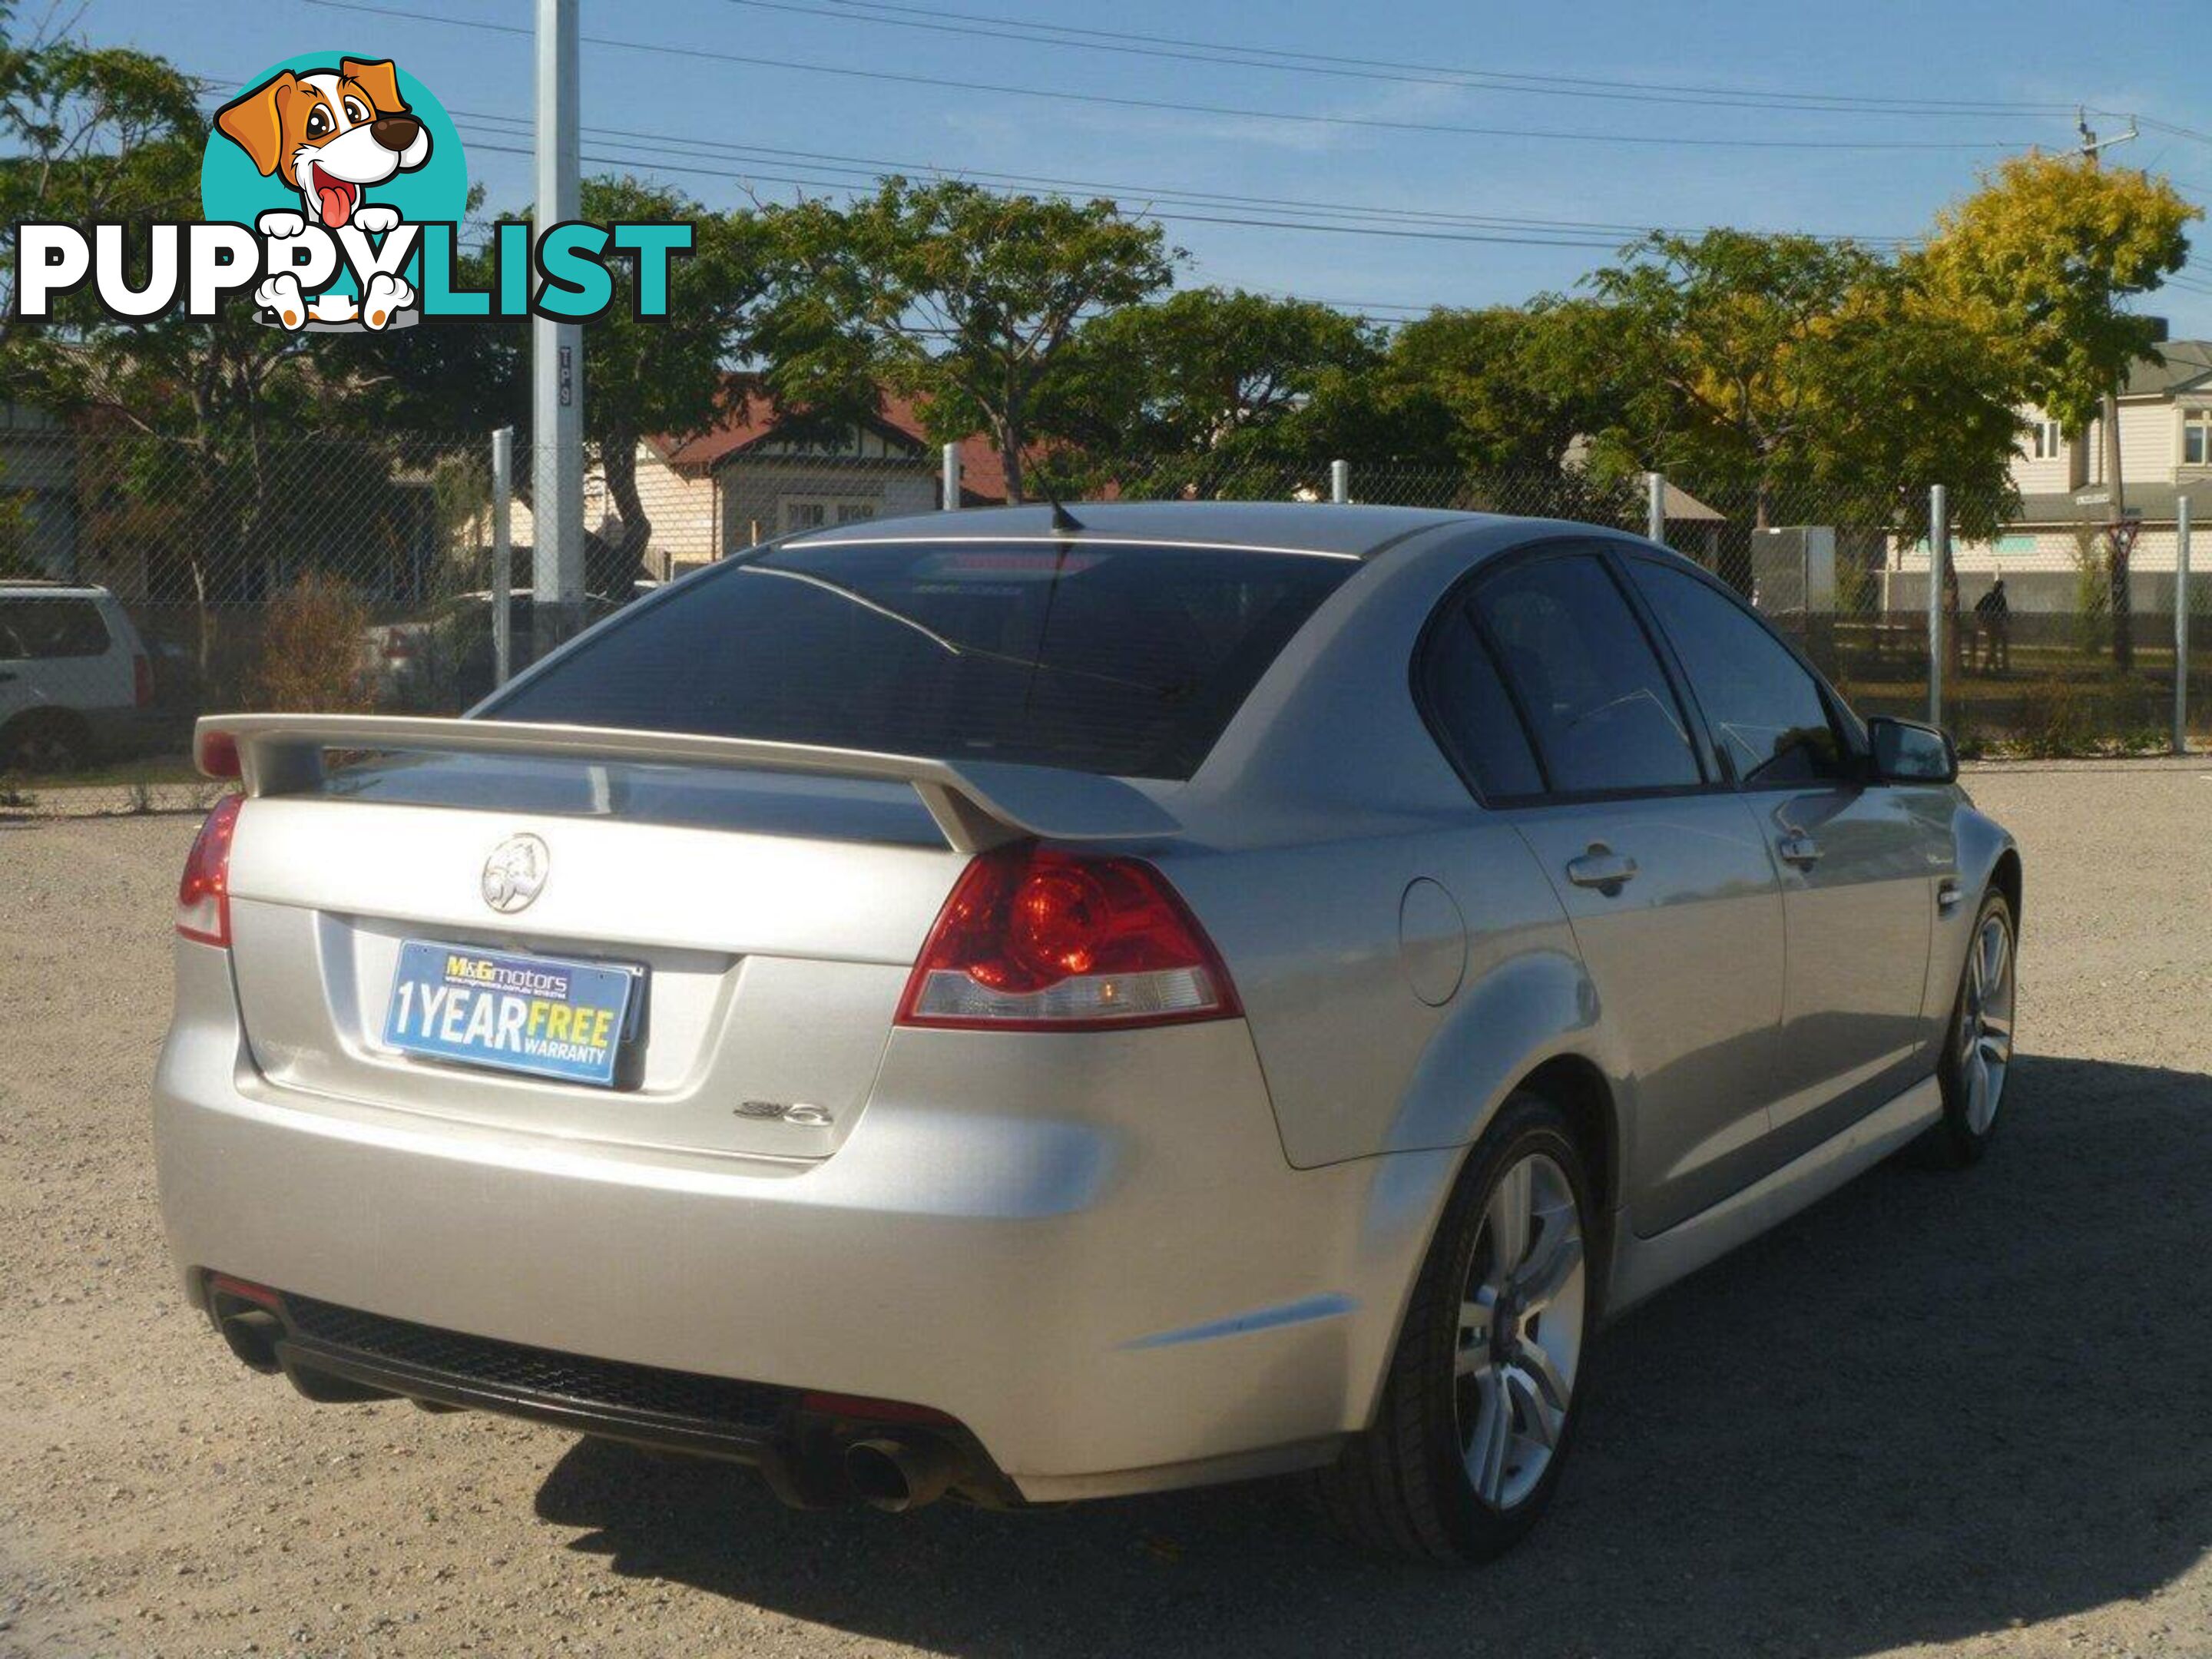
[949, 496]
[1339, 482]
[502, 555]
[1655, 506]
[2181, 625]
[1939, 560]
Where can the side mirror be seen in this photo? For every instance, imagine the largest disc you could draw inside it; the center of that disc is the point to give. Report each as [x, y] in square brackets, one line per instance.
[1906, 751]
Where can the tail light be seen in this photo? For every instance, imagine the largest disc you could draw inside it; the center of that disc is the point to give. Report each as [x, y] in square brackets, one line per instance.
[141, 680]
[203, 895]
[216, 753]
[1034, 939]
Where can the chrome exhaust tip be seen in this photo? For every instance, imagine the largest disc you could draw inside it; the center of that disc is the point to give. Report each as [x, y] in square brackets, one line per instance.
[898, 1475]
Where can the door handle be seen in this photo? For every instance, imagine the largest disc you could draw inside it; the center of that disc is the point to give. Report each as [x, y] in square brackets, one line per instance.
[1601, 868]
[1800, 849]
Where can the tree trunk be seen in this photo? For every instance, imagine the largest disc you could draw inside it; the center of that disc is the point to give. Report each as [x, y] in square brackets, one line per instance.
[1010, 458]
[612, 568]
[2122, 609]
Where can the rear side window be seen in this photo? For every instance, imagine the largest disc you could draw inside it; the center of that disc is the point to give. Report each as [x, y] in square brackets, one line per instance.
[1474, 716]
[1096, 657]
[1605, 718]
[35, 627]
[1765, 710]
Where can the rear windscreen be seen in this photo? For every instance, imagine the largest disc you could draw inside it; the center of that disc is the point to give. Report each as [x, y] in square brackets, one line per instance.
[1097, 657]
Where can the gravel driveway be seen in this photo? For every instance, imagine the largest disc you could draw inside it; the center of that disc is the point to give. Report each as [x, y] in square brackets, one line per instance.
[1936, 1414]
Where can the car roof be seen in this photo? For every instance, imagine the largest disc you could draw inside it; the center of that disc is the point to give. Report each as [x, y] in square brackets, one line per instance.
[1345, 531]
[40, 587]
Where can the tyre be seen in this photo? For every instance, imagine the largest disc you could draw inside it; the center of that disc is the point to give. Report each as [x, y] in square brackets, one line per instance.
[1978, 1052]
[1478, 1409]
[45, 740]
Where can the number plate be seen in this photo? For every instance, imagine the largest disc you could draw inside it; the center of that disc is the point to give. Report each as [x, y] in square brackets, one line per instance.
[532, 1014]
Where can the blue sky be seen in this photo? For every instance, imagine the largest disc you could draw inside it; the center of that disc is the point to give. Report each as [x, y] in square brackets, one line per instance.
[2146, 57]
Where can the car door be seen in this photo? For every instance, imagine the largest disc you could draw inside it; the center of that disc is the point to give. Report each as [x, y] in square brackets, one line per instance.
[1858, 863]
[1663, 874]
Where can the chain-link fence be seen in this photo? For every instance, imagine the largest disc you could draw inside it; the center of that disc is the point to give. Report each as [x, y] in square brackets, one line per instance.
[145, 582]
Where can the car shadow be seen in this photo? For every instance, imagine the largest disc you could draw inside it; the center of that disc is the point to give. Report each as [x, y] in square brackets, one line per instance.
[1934, 1406]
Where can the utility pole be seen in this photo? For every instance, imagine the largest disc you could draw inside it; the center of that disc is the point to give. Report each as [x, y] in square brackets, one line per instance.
[556, 351]
[2124, 642]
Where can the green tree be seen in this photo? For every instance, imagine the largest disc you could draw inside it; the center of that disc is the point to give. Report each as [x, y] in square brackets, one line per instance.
[962, 298]
[1501, 388]
[643, 377]
[90, 132]
[1721, 344]
[2045, 256]
[1208, 385]
[94, 133]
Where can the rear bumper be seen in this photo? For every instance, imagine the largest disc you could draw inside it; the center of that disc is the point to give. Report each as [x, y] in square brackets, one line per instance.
[1087, 1250]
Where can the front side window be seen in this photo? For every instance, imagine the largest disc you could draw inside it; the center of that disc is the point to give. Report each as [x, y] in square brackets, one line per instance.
[1765, 712]
[1603, 716]
[1094, 656]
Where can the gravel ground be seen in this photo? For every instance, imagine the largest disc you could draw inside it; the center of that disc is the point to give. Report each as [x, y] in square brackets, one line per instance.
[1936, 1414]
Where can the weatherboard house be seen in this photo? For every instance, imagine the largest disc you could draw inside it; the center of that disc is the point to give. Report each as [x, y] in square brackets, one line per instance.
[2067, 500]
[757, 473]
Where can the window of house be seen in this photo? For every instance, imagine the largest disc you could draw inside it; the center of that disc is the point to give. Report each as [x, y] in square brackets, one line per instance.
[2045, 441]
[2197, 437]
[814, 512]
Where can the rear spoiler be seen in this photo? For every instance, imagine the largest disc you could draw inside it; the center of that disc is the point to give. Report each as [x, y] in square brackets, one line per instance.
[978, 805]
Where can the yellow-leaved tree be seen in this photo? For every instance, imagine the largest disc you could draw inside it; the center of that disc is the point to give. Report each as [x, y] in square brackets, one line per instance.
[2043, 257]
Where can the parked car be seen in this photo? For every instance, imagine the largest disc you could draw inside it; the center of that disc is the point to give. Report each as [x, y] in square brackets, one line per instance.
[75, 680]
[447, 656]
[992, 1006]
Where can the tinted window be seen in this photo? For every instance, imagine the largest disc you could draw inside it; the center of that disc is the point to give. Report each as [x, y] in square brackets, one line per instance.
[1474, 717]
[52, 628]
[1093, 656]
[1765, 712]
[1604, 715]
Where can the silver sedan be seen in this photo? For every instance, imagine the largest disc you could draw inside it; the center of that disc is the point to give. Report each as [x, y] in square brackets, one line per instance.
[1027, 1009]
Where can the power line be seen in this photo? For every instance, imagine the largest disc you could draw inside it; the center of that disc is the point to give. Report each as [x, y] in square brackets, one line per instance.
[1494, 80]
[2178, 131]
[879, 166]
[1498, 238]
[1141, 45]
[1372, 123]
[1544, 232]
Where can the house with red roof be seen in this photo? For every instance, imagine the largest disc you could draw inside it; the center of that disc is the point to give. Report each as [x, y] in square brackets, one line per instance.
[755, 475]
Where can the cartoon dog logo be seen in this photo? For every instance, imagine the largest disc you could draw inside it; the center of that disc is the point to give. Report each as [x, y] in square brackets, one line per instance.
[331, 134]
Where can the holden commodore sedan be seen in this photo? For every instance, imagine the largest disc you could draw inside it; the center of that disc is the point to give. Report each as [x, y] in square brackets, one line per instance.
[1035, 1009]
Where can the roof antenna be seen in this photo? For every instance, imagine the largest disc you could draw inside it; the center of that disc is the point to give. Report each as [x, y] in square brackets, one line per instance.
[1063, 520]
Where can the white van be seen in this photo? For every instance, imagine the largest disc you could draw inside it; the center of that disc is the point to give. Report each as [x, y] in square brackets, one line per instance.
[74, 681]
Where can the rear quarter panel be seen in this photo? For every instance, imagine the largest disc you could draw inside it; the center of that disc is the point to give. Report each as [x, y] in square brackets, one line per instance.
[1359, 1059]
[1325, 800]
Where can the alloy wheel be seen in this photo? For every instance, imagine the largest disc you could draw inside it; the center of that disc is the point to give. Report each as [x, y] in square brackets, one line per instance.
[1985, 1015]
[1519, 1331]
